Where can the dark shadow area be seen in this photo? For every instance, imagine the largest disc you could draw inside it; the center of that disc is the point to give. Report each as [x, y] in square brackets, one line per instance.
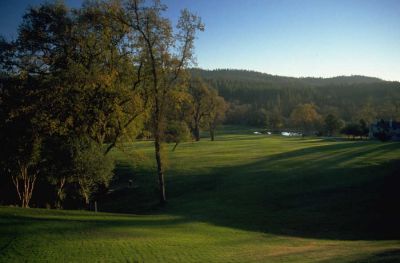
[388, 256]
[99, 221]
[309, 193]
[134, 182]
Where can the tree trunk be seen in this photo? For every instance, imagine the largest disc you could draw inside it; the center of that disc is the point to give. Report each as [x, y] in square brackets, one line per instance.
[212, 133]
[60, 193]
[160, 173]
[84, 190]
[196, 132]
[87, 200]
[28, 183]
[176, 145]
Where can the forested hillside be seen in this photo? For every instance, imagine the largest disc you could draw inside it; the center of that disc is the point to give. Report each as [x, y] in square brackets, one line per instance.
[255, 96]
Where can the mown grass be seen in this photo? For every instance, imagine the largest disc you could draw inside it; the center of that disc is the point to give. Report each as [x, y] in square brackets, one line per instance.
[242, 198]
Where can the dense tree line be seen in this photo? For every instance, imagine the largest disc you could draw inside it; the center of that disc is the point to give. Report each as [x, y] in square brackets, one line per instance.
[266, 100]
[78, 82]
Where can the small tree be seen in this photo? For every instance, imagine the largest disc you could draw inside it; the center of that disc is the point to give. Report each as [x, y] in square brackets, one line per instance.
[179, 117]
[23, 165]
[306, 117]
[90, 167]
[79, 161]
[332, 124]
[275, 120]
[177, 132]
[217, 110]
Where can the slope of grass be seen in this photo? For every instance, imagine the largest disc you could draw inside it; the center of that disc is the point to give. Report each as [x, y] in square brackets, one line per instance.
[242, 198]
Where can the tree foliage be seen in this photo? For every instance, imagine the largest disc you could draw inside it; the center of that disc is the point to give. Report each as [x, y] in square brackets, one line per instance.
[306, 117]
[332, 124]
[90, 167]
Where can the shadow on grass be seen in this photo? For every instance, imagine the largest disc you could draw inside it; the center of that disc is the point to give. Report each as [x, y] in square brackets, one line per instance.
[388, 256]
[312, 192]
[17, 225]
[332, 191]
[141, 192]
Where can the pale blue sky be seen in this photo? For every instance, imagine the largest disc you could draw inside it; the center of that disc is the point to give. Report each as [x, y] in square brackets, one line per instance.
[319, 38]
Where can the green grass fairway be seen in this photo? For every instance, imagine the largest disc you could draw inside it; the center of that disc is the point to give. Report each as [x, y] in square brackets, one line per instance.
[242, 198]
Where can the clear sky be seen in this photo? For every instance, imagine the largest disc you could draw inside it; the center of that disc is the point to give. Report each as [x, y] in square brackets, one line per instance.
[320, 38]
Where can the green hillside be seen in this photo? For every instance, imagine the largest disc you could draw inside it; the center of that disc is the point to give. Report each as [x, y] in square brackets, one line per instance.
[254, 95]
[242, 198]
[254, 76]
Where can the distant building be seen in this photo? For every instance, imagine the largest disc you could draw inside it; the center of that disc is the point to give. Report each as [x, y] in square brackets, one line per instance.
[385, 130]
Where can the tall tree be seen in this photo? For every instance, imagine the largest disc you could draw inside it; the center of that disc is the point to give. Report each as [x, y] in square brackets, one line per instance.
[164, 54]
[201, 95]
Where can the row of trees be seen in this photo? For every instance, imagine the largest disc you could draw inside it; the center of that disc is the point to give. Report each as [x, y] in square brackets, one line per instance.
[306, 119]
[354, 130]
[78, 82]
